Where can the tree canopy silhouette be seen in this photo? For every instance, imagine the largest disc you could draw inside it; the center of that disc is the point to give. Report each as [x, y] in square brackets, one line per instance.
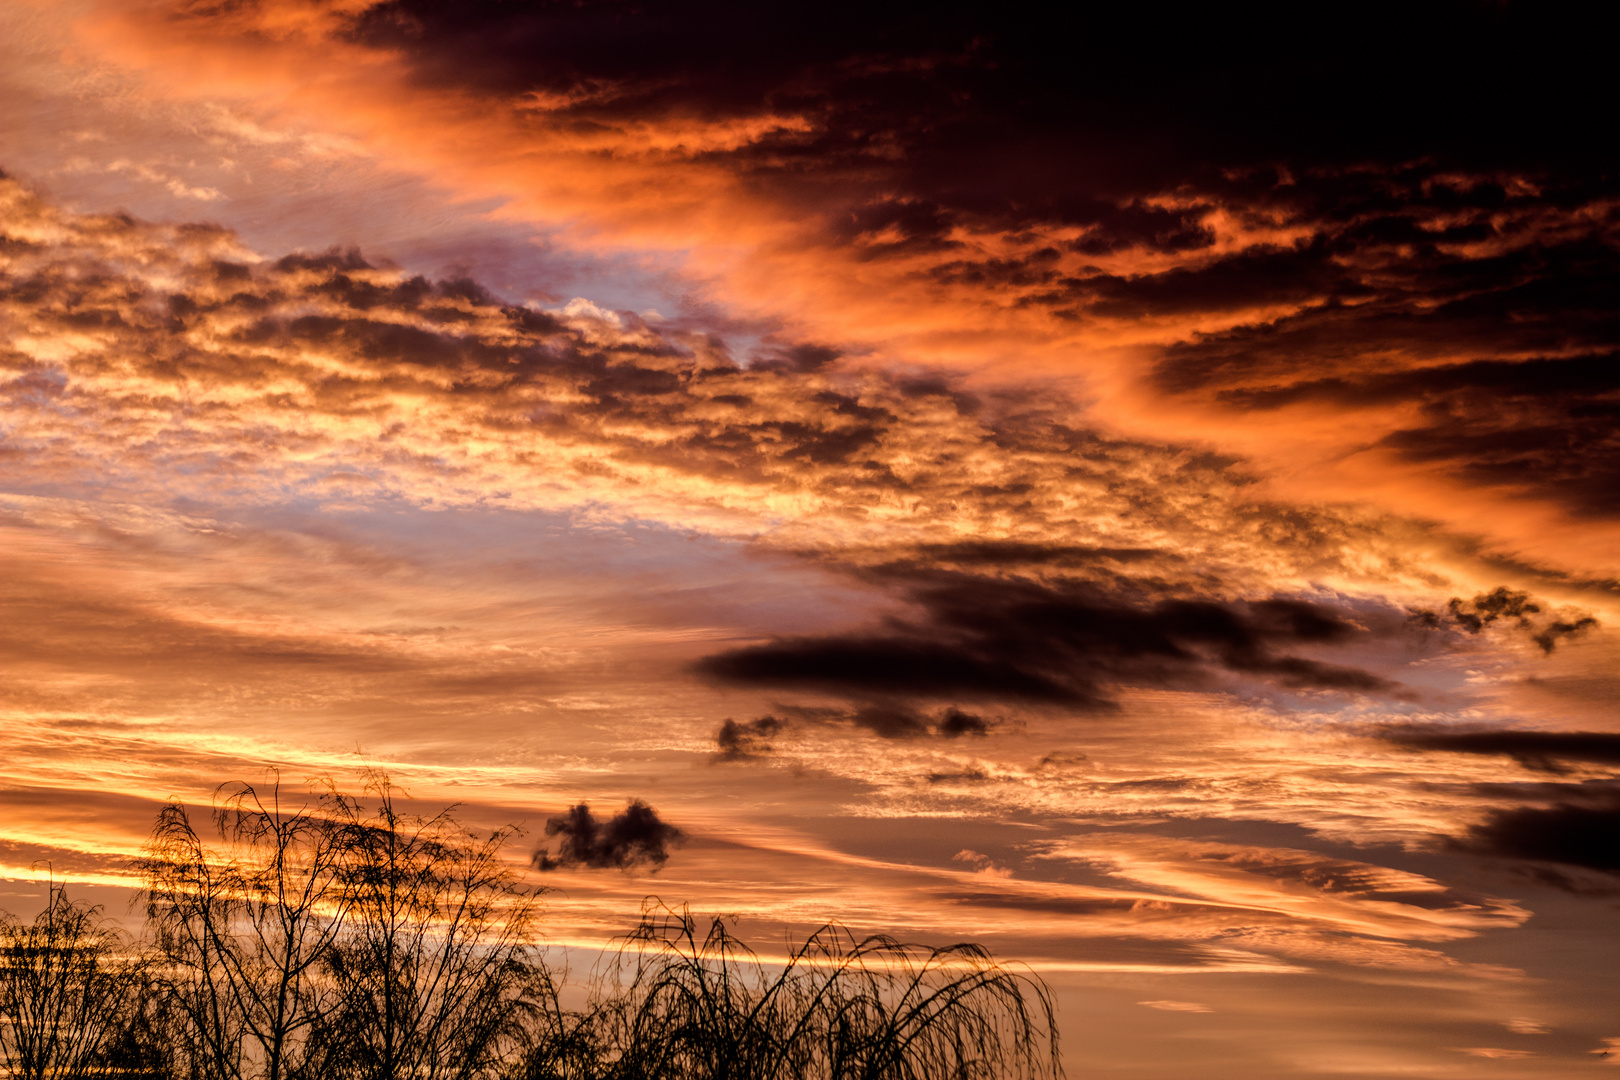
[340, 937]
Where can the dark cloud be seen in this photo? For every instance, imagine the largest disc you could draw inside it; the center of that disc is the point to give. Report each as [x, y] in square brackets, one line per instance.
[1495, 362]
[1512, 608]
[1581, 831]
[801, 357]
[993, 639]
[890, 665]
[1476, 614]
[956, 723]
[1019, 112]
[634, 837]
[746, 739]
[886, 719]
[1260, 275]
[1545, 750]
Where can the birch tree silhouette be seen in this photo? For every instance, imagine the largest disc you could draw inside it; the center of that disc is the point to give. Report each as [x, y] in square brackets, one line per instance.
[435, 969]
[242, 930]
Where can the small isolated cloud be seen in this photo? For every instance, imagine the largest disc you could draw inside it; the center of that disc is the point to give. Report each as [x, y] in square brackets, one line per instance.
[1178, 1006]
[981, 863]
[636, 837]
[746, 739]
[1609, 1052]
[1492, 1052]
[1523, 1025]
[957, 723]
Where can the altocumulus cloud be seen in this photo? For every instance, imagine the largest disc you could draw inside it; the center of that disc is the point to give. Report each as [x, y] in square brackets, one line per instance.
[169, 361]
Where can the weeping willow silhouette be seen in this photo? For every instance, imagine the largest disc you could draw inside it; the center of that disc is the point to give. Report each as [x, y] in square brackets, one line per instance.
[342, 938]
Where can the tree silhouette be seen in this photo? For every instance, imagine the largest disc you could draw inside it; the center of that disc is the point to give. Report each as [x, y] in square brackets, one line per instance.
[64, 984]
[435, 967]
[346, 939]
[241, 931]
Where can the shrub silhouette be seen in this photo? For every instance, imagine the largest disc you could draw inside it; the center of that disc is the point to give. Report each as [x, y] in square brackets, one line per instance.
[679, 1006]
[344, 939]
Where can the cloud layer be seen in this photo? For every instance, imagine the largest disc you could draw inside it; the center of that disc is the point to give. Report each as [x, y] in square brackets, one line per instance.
[1134, 488]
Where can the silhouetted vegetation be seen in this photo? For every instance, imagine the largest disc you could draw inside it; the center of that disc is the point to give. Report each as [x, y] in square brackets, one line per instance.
[65, 981]
[344, 939]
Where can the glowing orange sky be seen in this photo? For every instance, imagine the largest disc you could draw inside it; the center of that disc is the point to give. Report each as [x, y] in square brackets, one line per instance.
[1197, 591]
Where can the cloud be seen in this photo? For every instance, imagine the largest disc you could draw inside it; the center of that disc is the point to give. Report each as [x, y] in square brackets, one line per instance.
[1177, 1006]
[956, 723]
[1495, 1053]
[1241, 252]
[1511, 607]
[948, 102]
[747, 739]
[1581, 830]
[982, 864]
[993, 639]
[1524, 1025]
[631, 838]
[887, 720]
[1549, 751]
[1272, 892]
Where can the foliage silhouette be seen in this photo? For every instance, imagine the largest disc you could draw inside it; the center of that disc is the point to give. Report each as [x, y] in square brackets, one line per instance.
[677, 1005]
[242, 931]
[346, 939]
[64, 983]
[436, 973]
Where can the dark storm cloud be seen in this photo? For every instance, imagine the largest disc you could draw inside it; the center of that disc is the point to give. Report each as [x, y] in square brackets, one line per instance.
[634, 837]
[992, 639]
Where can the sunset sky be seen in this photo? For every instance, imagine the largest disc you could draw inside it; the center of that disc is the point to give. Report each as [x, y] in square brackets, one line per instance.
[1137, 488]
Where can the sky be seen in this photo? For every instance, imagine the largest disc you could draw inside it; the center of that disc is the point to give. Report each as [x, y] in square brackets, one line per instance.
[1135, 487]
